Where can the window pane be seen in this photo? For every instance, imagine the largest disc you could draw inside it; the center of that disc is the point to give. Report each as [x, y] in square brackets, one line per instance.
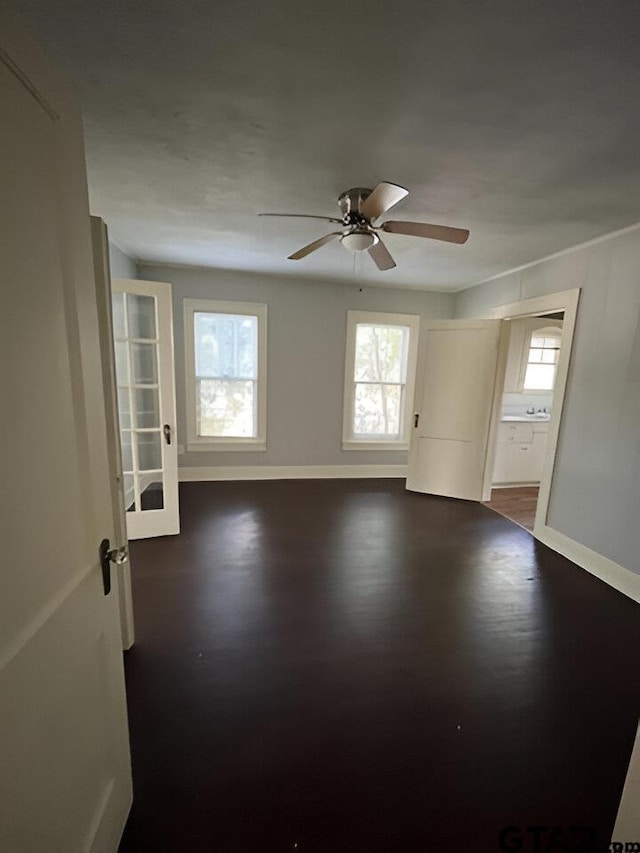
[149, 451]
[225, 408]
[381, 353]
[129, 493]
[147, 407]
[127, 456]
[377, 410]
[152, 496]
[552, 343]
[537, 342]
[123, 408]
[226, 345]
[535, 354]
[549, 356]
[144, 364]
[122, 363]
[141, 316]
[539, 377]
[119, 329]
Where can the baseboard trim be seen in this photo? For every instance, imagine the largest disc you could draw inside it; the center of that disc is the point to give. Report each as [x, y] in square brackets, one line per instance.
[289, 472]
[624, 580]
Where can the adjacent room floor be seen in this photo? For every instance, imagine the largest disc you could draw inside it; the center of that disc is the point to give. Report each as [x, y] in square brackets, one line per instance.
[518, 503]
[327, 666]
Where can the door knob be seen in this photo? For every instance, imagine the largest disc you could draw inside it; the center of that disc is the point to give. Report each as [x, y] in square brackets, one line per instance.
[110, 555]
[119, 555]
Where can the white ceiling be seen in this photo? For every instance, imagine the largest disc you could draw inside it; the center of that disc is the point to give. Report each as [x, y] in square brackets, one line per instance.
[516, 119]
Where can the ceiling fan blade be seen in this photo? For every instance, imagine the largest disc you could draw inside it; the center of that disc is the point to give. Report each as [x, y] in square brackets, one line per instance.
[383, 197]
[381, 256]
[317, 244]
[304, 216]
[422, 229]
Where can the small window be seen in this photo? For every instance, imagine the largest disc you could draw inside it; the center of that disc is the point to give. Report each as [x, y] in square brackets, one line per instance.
[226, 375]
[379, 380]
[542, 360]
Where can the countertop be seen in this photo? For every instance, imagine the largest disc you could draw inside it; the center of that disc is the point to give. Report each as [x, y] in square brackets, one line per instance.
[544, 418]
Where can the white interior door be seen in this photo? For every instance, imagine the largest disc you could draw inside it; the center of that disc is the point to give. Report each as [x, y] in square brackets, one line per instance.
[103, 292]
[143, 335]
[65, 781]
[449, 444]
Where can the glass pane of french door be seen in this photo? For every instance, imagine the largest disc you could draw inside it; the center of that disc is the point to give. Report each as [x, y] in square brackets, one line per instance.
[145, 396]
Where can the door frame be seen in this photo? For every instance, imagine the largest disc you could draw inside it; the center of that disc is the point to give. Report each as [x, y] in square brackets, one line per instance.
[567, 301]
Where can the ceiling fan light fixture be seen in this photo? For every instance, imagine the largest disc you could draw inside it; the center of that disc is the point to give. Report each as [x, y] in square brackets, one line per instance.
[359, 241]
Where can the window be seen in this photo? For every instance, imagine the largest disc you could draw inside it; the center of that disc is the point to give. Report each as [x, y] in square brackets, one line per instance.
[226, 375]
[379, 380]
[542, 360]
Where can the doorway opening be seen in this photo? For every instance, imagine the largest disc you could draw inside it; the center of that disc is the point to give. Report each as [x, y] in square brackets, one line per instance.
[531, 380]
[533, 351]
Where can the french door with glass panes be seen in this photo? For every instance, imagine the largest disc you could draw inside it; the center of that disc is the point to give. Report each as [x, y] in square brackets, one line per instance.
[143, 335]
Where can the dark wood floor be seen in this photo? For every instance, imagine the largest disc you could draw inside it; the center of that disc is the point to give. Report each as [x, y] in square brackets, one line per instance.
[327, 666]
[518, 503]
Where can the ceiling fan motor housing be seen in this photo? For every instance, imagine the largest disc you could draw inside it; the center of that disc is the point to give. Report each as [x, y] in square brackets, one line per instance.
[361, 236]
[350, 201]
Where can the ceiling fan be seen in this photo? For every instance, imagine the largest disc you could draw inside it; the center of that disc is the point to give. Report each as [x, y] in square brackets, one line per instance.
[360, 207]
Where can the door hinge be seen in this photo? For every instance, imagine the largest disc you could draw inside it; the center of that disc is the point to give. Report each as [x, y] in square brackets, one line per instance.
[416, 420]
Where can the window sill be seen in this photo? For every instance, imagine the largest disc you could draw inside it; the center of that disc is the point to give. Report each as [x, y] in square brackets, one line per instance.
[222, 446]
[375, 445]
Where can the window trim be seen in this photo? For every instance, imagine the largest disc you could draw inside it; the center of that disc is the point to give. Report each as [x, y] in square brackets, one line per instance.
[547, 332]
[349, 442]
[225, 443]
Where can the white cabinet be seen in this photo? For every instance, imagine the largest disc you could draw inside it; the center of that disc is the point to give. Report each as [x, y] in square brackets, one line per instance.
[520, 452]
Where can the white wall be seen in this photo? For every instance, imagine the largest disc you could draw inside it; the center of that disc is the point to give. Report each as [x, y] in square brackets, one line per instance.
[595, 498]
[122, 266]
[306, 350]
